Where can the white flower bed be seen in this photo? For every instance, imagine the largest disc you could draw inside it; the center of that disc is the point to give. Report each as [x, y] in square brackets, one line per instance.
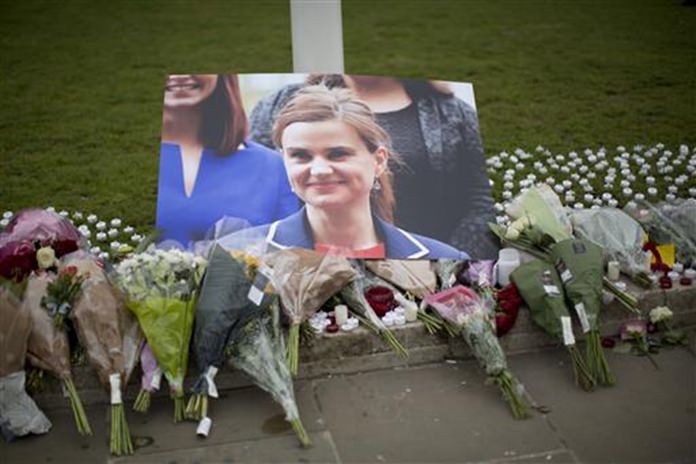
[592, 179]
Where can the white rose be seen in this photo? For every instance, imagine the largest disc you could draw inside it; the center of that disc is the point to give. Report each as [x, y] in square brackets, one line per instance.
[660, 313]
[46, 257]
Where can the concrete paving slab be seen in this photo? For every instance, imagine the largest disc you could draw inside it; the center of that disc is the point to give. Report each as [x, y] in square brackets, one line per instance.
[649, 416]
[429, 414]
[555, 456]
[62, 443]
[277, 449]
[238, 415]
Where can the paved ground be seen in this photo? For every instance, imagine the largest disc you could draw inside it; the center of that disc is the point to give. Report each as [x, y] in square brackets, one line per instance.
[433, 413]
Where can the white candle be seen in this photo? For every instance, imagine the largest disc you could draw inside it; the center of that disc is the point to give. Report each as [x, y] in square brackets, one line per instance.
[690, 273]
[409, 307]
[341, 314]
[613, 270]
[678, 267]
[508, 261]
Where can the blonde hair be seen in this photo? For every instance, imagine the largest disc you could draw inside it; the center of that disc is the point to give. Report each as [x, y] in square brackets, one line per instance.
[318, 103]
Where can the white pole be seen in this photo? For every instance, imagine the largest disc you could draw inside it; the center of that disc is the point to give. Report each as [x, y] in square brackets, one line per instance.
[317, 36]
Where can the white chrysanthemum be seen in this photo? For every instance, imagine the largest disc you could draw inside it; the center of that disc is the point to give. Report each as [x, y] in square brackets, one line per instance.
[112, 233]
[101, 236]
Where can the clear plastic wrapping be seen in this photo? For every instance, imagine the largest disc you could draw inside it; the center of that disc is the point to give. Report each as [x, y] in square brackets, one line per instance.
[620, 236]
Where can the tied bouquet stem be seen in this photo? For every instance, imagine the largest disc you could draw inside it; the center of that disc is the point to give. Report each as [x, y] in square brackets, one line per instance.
[48, 347]
[541, 288]
[111, 338]
[150, 382]
[233, 291]
[305, 280]
[258, 351]
[473, 317]
[161, 287]
[580, 267]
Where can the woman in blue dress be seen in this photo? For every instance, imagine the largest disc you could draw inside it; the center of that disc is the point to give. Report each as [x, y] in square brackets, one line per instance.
[208, 170]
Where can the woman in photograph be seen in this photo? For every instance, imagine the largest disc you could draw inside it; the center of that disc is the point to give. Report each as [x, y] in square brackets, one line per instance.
[208, 170]
[337, 160]
[441, 184]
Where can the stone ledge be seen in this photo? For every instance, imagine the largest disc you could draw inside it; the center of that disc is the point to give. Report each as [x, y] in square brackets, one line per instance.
[360, 350]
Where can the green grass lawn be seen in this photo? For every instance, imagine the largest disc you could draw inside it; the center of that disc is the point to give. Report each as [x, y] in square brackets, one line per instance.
[81, 83]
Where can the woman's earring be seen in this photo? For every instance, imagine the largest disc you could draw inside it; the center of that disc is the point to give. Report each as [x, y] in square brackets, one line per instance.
[377, 186]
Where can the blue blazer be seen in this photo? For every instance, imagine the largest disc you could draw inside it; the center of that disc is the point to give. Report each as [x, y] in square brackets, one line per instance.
[294, 231]
[250, 184]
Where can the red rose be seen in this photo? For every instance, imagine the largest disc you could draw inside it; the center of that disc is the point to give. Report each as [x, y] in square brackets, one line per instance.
[17, 259]
[70, 271]
[509, 303]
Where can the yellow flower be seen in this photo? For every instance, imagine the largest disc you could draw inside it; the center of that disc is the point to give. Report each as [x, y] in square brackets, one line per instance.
[46, 257]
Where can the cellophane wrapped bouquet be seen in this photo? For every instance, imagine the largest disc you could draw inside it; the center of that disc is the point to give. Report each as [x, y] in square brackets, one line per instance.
[161, 288]
[228, 299]
[472, 315]
[354, 296]
[19, 415]
[540, 221]
[579, 265]
[258, 350]
[111, 338]
[542, 290]
[305, 280]
[416, 279]
[48, 347]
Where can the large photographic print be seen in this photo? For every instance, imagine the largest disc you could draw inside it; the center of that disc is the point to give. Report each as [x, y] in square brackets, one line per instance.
[362, 166]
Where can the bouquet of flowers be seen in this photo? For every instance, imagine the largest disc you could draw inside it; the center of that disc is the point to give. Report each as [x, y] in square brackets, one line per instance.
[634, 333]
[305, 280]
[661, 317]
[224, 306]
[19, 415]
[416, 278]
[354, 296]
[479, 275]
[541, 288]
[110, 337]
[62, 292]
[509, 302]
[258, 350]
[682, 212]
[161, 288]
[150, 380]
[539, 222]
[619, 235]
[472, 315]
[579, 264]
[45, 227]
[661, 229]
[48, 347]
